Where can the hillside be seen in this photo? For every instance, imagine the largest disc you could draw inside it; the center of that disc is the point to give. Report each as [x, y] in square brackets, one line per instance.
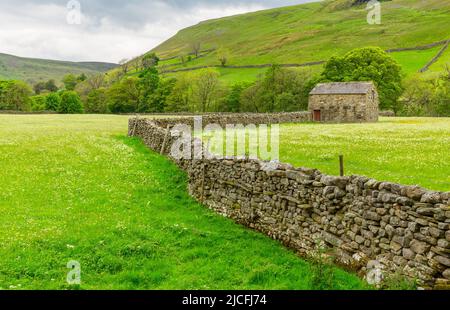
[314, 32]
[34, 70]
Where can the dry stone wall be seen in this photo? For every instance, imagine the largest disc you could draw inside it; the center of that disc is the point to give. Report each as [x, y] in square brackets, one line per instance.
[241, 118]
[400, 229]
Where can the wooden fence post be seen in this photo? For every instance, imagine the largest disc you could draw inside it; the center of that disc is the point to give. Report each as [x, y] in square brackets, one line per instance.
[341, 165]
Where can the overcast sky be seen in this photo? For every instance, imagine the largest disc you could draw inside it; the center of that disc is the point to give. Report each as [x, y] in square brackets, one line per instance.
[110, 30]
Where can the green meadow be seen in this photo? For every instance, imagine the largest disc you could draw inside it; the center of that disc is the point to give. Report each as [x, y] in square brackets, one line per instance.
[76, 188]
[409, 151]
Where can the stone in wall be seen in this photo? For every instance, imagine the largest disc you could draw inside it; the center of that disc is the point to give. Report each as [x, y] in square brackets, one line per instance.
[404, 229]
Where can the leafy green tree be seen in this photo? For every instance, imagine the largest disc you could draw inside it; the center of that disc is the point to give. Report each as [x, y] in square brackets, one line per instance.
[426, 97]
[96, 102]
[368, 64]
[205, 87]
[285, 101]
[70, 103]
[15, 95]
[50, 85]
[223, 55]
[70, 82]
[150, 60]
[279, 90]
[160, 97]
[180, 98]
[52, 102]
[148, 84]
[250, 99]
[81, 78]
[39, 87]
[124, 96]
[38, 103]
[232, 102]
[196, 48]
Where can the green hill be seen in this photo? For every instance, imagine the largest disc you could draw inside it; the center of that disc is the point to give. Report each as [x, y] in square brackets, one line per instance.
[314, 32]
[35, 70]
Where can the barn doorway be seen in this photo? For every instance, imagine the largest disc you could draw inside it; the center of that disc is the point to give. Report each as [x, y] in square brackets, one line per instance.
[317, 116]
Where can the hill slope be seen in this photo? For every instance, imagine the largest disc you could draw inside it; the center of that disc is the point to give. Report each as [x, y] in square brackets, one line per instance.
[34, 70]
[315, 32]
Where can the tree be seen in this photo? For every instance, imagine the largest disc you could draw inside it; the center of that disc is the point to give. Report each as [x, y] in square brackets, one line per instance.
[160, 97]
[38, 103]
[70, 82]
[150, 60]
[250, 98]
[180, 99]
[279, 90]
[96, 102]
[50, 85]
[124, 96]
[148, 84]
[45, 86]
[135, 64]
[92, 83]
[223, 55]
[96, 81]
[70, 103]
[183, 60]
[124, 64]
[52, 102]
[82, 77]
[15, 95]
[39, 87]
[232, 102]
[426, 97]
[368, 64]
[196, 48]
[206, 84]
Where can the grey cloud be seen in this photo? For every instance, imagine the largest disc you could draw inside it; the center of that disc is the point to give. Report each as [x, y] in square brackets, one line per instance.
[110, 30]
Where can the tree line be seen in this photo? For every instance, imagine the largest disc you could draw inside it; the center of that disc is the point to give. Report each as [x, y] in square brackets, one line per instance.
[277, 90]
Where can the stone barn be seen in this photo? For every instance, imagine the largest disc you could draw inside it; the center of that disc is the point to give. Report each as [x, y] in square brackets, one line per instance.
[353, 102]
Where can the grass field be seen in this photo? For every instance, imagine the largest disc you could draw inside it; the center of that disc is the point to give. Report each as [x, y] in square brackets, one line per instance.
[409, 151]
[413, 61]
[75, 188]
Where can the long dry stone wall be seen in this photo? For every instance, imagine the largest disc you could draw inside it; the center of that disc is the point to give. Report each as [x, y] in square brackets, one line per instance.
[398, 229]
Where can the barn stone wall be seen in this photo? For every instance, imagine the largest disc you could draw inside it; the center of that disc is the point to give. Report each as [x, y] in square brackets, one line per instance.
[356, 108]
[400, 229]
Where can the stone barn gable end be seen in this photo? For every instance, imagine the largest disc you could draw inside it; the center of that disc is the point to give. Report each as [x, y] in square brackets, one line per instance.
[350, 102]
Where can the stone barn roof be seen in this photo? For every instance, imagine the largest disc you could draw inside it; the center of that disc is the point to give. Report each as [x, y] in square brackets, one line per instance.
[349, 88]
